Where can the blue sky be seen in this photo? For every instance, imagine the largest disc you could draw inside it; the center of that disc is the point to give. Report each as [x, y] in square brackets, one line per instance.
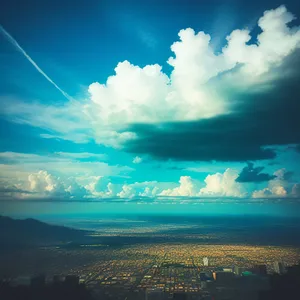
[150, 100]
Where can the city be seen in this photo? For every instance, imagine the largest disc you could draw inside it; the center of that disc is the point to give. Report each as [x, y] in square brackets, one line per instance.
[160, 271]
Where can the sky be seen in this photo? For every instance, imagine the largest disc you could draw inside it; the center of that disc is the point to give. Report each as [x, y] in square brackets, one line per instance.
[150, 101]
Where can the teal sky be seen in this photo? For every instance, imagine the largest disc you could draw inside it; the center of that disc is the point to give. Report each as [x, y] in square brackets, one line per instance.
[66, 210]
[137, 103]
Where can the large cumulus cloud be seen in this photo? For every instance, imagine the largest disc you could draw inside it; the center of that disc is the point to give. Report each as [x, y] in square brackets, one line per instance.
[223, 185]
[147, 95]
[279, 187]
[187, 188]
[261, 120]
[214, 185]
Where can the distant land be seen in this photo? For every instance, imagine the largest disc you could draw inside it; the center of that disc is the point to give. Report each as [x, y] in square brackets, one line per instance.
[31, 232]
[87, 243]
[114, 231]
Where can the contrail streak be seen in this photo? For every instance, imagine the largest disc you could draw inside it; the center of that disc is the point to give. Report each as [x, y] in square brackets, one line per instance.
[20, 49]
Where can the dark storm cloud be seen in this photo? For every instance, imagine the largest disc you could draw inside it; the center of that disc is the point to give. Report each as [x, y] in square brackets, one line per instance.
[253, 174]
[287, 175]
[4, 190]
[260, 122]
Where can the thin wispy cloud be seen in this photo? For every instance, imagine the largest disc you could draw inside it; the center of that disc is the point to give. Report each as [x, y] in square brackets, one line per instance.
[21, 50]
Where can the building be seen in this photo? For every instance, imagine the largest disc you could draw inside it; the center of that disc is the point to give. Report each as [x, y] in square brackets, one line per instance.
[205, 261]
[278, 267]
[227, 269]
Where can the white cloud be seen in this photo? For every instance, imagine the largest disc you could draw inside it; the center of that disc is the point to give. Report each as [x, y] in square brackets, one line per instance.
[60, 174]
[277, 187]
[43, 182]
[41, 185]
[141, 189]
[275, 42]
[133, 94]
[127, 192]
[100, 187]
[137, 160]
[75, 190]
[149, 192]
[223, 185]
[146, 94]
[194, 50]
[187, 187]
